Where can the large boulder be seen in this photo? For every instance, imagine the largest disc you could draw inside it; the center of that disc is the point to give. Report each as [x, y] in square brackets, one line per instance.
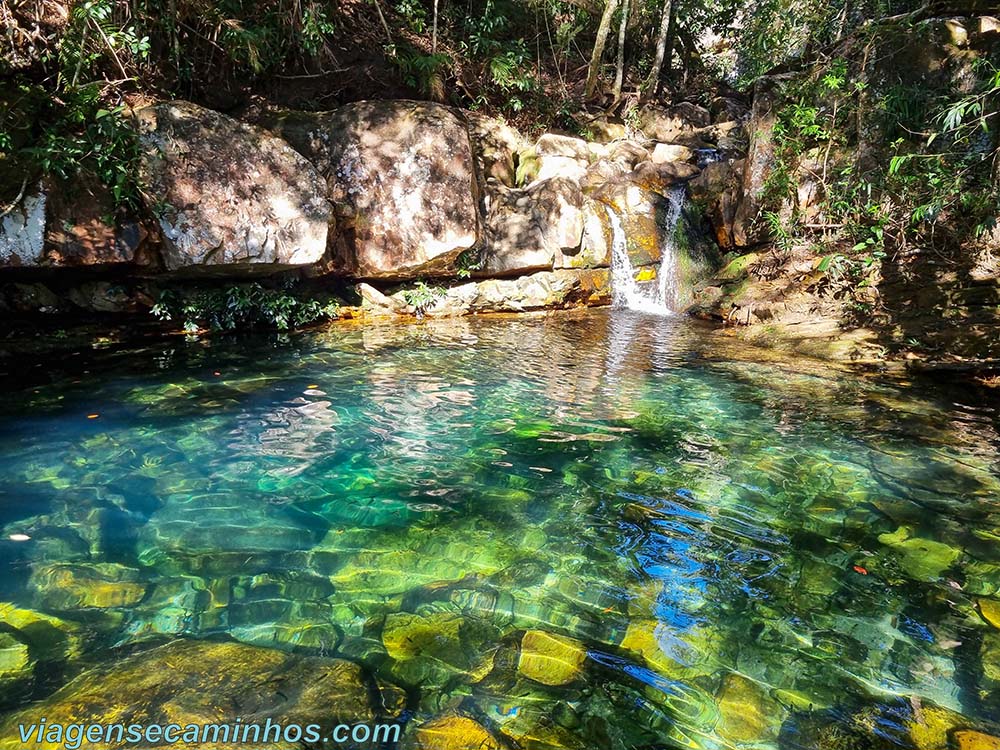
[401, 176]
[526, 229]
[561, 156]
[670, 124]
[229, 194]
[196, 682]
[595, 244]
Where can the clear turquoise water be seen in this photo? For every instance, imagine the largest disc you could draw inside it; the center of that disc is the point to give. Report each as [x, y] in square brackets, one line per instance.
[746, 550]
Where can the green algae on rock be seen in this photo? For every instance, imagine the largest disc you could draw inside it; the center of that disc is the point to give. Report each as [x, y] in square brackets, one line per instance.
[197, 682]
[15, 660]
[747, 714]
[99, 585]
[452, 733]
[549, 658]
[921, 559]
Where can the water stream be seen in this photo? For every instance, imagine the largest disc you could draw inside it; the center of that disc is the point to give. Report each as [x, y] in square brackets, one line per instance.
[626, 292]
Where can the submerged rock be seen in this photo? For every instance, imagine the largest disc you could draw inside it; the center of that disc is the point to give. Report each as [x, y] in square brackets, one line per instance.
[231, 194]
[49, 637]
[198, 682]
[15, 659]
[430, 649]
[989, 656]
[75, 586]
[670, 655]
[551, 659]
[989, 609]
[747, 714]
[921, 559]
[452, 733]
[930, 725]
[970, 740]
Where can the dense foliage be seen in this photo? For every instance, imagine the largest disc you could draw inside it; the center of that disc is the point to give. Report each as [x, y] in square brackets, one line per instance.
[895, 160]
[242, 306]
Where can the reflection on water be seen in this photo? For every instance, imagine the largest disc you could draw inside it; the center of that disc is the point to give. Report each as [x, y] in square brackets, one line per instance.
[606, 530]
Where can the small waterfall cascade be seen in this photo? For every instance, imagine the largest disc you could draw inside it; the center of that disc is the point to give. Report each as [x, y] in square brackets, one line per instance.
[626, 292]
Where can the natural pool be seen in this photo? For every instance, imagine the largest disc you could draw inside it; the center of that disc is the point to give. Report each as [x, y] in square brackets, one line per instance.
[578, 531]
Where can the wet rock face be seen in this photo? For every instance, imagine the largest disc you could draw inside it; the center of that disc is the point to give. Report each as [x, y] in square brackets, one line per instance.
[230, 194]
[717, 188]
[402, 178]
[201, 682]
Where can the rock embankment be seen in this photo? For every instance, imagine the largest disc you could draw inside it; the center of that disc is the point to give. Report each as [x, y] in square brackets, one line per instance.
[387, 193]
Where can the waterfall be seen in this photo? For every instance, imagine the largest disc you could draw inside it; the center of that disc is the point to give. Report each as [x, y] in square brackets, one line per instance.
[626, 292]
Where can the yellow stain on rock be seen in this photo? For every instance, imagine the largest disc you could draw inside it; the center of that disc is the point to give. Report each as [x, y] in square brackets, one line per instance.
[454, 733]
[969, 740]
[989, 609]
[550, 659]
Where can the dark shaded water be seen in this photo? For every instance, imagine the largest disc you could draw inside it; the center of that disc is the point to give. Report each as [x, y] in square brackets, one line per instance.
[730, 548]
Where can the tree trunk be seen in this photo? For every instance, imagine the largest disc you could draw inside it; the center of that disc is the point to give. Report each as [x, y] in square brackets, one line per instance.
[599, 42]
[652, 84]
[620, 64]
[434, 33]
[668, 57]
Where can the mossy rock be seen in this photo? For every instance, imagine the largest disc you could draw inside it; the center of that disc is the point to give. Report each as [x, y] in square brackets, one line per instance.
[77, 586]
[197, 682]
[970, 740]
[921, 559]
[551, 659]
[828, 730]
[747, 714]
[989, 656]
[647, 638]
[929, 727]
[15, 659]
[452, 733]
[432, 649]
[50, 638]
[989, 610]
